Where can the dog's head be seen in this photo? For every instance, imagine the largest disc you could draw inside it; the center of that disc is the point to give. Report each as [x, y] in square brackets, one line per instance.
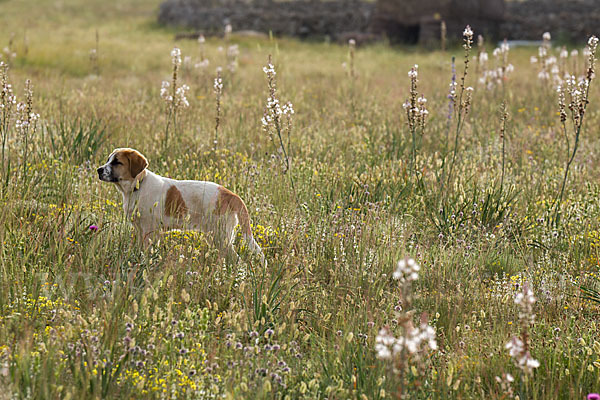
[122, 165]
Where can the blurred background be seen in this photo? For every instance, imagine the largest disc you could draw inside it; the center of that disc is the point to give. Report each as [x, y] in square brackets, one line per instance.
[401, 21]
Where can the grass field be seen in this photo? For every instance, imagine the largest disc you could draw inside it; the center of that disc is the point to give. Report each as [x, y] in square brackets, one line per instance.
[472, 196]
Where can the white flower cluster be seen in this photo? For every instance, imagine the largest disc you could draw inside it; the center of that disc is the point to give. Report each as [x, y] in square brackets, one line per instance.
[179, 99]
[496, 76]
[288, 109]
[218, 84]
[468, 37]
[522, 357]
[7, 97]
[407, 270]
[506, 385]
[165, 93]
[591, 57]
[233, 52]
[202, 64]
[173, 95]
[546, 36]
[452, 93]
[564, 54]
[593, 43]
[519, 348]
[545, 61]
[415, 105]
[274, 111]
[269, 70]
[176, 56]
[180, 96]
[553, 70]
[525, 301]
[577, 90]
[414, 72]
[8, 53]
[414, 341]
[25, 120]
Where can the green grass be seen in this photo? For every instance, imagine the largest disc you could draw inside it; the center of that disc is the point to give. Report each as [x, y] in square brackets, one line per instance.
[88, 314]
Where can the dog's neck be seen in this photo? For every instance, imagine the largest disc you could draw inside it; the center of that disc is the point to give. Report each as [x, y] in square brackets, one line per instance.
[131, 190]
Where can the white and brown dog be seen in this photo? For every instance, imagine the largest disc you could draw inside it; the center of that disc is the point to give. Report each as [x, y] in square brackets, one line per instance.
[156, 203]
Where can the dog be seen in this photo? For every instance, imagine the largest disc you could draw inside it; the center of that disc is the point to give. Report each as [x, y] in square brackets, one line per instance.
[155, 203]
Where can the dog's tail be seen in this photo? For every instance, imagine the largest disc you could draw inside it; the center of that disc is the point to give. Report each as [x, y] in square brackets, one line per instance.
[244, 221]
[230, 202]
[234, 203]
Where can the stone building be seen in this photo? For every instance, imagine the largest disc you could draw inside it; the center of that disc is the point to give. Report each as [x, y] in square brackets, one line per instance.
[418, 21]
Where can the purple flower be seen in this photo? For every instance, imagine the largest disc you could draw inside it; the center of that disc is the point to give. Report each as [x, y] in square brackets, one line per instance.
[93, 228]
[593, 396]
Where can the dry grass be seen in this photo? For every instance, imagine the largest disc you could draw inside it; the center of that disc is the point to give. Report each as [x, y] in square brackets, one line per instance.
[87, 314]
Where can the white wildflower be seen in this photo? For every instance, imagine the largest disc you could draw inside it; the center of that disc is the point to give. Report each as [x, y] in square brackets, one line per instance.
[176, 56]
[269, 70]
[468, 32]
[407, 268]
[218, 85]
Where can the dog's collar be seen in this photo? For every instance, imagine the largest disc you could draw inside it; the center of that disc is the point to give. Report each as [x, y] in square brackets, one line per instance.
[138, 182]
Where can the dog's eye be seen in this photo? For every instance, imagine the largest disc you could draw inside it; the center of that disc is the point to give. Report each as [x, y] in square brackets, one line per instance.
[116, 162]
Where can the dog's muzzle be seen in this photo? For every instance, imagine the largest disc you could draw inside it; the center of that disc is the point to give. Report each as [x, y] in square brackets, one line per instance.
[104, 176]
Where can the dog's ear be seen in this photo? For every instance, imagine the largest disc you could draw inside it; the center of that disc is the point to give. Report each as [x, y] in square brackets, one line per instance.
[137, 163]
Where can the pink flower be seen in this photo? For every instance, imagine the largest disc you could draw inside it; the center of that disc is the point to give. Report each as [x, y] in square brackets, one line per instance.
[593, 396]
[93, 228]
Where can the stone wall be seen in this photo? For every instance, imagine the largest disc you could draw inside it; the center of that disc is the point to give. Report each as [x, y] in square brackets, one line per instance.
[408, 21]
[573, 20]
[418, 21]
[293, 18]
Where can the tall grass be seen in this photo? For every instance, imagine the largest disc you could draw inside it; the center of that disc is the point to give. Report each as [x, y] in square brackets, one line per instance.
[86, 313]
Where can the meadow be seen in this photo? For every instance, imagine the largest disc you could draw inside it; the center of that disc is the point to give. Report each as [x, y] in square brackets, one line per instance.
[408, 241]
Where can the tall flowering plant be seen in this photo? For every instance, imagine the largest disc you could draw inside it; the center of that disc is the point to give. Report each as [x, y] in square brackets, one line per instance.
[461, 99]
[173, 95]
[273, 123]
[576, 93]
[416, 114]
[413, 344]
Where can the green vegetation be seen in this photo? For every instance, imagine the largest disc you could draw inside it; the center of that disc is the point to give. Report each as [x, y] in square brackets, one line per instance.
[88, 313]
